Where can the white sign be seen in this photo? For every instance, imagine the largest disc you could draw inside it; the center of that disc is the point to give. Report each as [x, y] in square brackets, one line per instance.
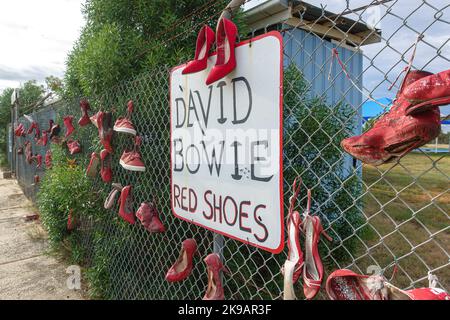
[226, 146]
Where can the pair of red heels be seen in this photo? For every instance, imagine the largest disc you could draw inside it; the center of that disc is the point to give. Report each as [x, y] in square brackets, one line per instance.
[147, 213]
[347, 285]
[412, 121]
[225, 43]
[308, 264]
[182, 268]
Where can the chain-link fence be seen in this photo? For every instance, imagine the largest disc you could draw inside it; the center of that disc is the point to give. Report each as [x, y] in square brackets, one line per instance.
[392, 215]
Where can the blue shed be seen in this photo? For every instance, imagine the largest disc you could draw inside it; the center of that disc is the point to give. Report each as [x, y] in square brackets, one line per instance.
[312, 35]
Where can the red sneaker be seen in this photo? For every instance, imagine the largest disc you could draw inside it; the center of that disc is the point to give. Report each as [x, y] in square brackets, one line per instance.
[74, 147]
[105, 129]
[69, 126]
[205, 40]
[92, 168]
[182, 268]
[48, 159]
[226, 59]
[126, 210]
[131, 160]
[215, 287]
[124, 124]
[85, 107]
[106, 171]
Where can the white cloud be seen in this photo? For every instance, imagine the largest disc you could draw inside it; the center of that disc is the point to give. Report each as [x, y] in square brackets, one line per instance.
[36, 37]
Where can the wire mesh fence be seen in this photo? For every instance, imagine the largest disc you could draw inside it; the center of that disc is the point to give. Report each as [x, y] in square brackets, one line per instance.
[396, 214]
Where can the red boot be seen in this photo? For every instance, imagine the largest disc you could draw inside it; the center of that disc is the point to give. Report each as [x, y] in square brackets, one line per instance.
[126, 209]
[124, 124]
[205, 41]
[182, 268]
[85, 107]
[105, 129]
[69, 126]
[105, 171]
[215, 287]
[226, 59]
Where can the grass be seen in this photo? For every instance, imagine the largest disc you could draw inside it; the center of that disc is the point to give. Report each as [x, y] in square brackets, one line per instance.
[407, 206]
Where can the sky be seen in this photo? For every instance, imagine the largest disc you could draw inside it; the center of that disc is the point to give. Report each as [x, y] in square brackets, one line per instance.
[36, 36]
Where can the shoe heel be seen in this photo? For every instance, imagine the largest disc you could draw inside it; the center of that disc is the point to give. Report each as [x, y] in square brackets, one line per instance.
[327, 236]
[226, 270]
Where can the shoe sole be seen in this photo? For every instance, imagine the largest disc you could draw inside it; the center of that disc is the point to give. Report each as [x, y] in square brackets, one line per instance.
[130, 167]
[125, 130]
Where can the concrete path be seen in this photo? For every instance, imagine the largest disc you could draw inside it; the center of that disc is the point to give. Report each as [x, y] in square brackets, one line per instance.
[26, 271]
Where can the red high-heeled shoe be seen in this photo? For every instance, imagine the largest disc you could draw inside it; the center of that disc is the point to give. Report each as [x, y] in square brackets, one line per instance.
[91, 170]
[85, 107]
[205, 40]
[126, 209]
[69, 126]
[182, 268]
[48, 159]
[111, 198]
[226, 58]
[215, 287]
[312, 267]
[292, 268]
[105, 170]
[105, 130]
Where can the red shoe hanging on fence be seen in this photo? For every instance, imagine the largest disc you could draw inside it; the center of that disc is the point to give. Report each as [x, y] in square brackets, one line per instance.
[149, 216]
[182, 268]
[131, 160]
[92, 168]
[347, 285]
[85, 107]
[111, 198]
[38, 159]
[106, 162]
[226, 58]
[205, 41]
[105, 130]
[313, 267]
[71, 221]
[126, 205]
[293, 266]
[43, 140]
[74, 147]
[124, 124]
[214, 266]
[48, 159]
[69, 126]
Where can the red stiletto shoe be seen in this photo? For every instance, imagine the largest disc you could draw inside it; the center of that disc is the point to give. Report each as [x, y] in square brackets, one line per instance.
[94, 118]
[205, 41]
[91, 170]
[69, 126]
[105, 130]
[38, 158]
[106, 171]
[312, 268]
[182, 268]
[85, 107]
[126, 208]
[215, 287]
[124, 124]
[48, 159]
[226, 58]
[292, 268]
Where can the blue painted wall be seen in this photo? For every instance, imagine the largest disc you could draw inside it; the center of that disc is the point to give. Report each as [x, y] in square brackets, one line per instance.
[312, 55]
